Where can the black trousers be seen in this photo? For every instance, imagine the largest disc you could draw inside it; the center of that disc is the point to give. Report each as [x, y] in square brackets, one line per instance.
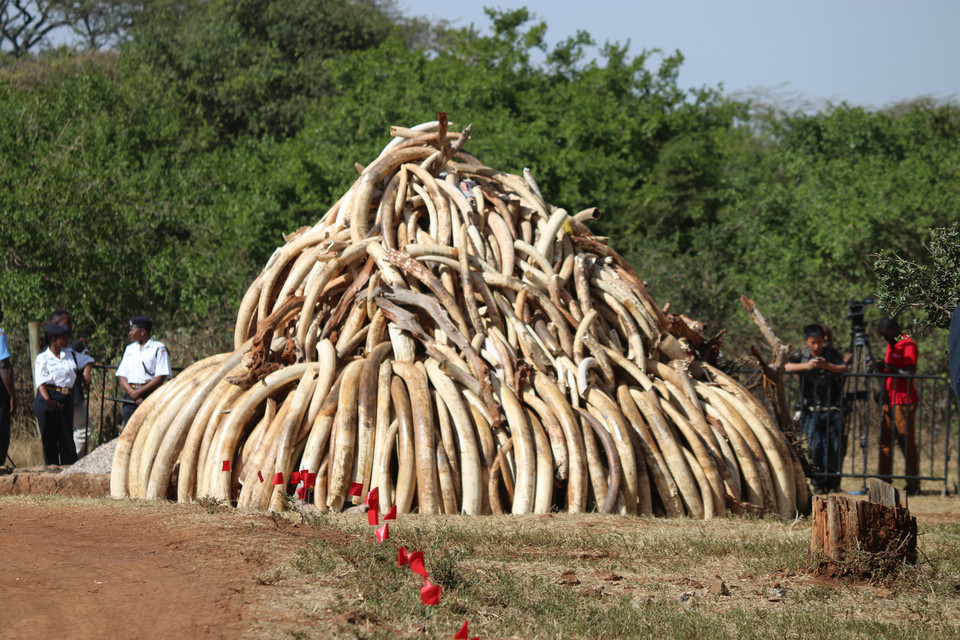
[127, 408]
[130, 407]
[56, 429]
[4, 427]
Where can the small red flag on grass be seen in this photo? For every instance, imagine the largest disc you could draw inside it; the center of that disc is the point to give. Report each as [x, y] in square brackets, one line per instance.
[355, 489]
[392, 514]
[401, 556]
[383, 532]
[278, 478]
[416, 563]
[430, 593]
[462, 634]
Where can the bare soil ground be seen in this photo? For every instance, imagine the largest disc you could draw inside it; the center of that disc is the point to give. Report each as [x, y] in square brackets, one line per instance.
[102, 569]
[99, 568]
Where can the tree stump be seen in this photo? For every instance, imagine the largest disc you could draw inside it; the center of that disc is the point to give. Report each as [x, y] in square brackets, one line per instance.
[860, 537]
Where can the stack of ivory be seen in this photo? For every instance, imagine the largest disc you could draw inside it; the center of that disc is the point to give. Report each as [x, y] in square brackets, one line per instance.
[445, 334]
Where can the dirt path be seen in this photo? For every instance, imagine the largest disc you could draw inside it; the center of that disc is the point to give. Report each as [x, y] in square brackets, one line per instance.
[100, 570]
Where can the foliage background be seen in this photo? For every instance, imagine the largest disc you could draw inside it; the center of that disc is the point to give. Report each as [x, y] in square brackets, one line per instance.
[158, 175]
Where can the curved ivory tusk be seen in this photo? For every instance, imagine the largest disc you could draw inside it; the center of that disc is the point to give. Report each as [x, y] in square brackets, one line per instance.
[585, 365]
[525, 452]
[345, 443]
[407, 472]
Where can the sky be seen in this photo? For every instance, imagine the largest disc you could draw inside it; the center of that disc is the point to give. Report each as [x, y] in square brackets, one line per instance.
[872, 53]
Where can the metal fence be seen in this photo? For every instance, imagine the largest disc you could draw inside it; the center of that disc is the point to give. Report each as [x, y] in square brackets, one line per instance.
[104, 399]
[859, 399]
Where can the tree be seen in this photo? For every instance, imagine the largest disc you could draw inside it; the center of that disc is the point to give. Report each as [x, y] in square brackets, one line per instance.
[102, 23]
[809, 197]
[24, 24]
[928, 283]
[252, 66]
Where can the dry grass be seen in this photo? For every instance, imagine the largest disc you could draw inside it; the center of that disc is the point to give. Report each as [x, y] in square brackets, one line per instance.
[54, 67]
[25, 448]
[633, 578]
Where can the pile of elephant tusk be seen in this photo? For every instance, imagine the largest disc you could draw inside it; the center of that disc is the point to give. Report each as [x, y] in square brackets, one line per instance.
[446, 335]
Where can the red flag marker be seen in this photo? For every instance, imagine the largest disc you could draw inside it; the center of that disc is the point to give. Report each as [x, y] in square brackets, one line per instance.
[356, 489]
[304, 474]
[295, 477]
[311, 479]
[260, 475]
[226, 466]
[373, 498]
[392, 514]
[430, 594]
[401, 556]
[462, 634]
[383, 532]
[278, 479]
[416, 563]
[302, 493]
[373, 517]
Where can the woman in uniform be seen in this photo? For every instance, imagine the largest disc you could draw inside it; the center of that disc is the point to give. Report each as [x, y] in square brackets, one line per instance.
[55, 373]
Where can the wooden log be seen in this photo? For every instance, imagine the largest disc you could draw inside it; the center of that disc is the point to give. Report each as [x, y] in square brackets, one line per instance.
[884, 493]
[861, 537]
[773, 370]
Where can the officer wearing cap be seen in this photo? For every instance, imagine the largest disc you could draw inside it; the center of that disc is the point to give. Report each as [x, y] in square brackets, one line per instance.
[144, 367]
[77, 351]
[55, 373]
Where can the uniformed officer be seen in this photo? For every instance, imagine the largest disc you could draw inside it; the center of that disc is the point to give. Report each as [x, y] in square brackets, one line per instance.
[144, 367]
[55, 373]
[84, 379]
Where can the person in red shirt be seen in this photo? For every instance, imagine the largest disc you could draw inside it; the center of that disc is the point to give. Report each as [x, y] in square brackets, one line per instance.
[900, 404]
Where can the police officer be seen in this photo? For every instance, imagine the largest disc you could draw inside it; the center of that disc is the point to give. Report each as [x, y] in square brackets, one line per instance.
[55, 373]
[144, 367]
[8, 393]
[84, 379]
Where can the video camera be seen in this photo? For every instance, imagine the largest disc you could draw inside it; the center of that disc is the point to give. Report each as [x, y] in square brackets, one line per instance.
[855, 314]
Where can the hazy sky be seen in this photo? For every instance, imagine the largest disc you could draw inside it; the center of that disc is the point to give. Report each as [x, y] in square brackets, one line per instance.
[866, 52]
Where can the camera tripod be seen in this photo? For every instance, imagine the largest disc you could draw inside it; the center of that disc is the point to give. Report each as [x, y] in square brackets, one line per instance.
[857, 394]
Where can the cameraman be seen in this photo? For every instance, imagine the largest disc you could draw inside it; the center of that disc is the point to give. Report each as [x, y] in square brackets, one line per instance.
[900, 400]
[819, 367]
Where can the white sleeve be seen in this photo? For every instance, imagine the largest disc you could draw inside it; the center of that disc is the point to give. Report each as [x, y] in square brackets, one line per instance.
[162, 365]
[40, 373]
[123, 370]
